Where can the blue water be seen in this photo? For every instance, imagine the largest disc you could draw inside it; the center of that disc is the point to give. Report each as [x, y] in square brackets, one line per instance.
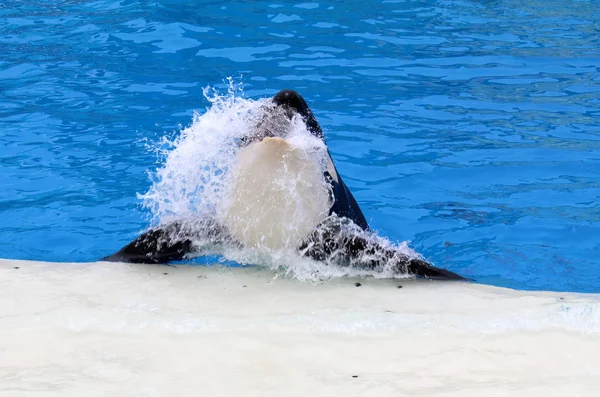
[471, 128]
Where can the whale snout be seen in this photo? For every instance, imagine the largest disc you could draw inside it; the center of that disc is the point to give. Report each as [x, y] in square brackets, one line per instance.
[276, 120]
[294, 103]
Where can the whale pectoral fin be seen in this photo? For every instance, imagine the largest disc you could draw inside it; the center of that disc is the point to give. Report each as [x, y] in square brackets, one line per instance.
[338, 241]
[422, 268]
[371, 255]
[158, 245]
[172, 242]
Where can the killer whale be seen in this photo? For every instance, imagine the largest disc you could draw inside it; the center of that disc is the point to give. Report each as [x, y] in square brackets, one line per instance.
[340, 237]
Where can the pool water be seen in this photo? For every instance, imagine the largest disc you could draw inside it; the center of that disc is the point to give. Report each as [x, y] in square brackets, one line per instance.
[470, 128]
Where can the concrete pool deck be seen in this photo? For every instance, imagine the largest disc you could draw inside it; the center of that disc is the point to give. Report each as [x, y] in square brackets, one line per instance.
[100, 329]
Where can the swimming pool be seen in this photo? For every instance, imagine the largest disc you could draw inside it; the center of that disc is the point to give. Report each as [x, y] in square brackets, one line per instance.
[470, 128]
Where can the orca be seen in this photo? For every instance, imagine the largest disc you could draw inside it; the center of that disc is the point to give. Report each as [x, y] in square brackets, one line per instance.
[329, 225]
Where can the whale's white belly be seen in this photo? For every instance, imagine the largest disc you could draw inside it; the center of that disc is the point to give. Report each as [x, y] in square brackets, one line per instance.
[277, 195]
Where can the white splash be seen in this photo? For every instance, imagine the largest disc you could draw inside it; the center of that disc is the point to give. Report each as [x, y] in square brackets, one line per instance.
[198, 180]
[190, 184]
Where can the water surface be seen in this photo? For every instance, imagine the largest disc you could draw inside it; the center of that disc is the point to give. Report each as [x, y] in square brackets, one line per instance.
[470, 128]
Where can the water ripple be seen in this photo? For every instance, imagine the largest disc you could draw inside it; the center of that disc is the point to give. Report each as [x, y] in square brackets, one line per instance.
[468, 127]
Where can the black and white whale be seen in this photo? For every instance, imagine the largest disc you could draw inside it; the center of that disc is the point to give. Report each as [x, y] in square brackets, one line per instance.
[328, 224]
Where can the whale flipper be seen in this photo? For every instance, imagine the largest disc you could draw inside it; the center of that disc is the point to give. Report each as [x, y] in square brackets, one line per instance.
[340, 242]
[154, 246]
[171, 242]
